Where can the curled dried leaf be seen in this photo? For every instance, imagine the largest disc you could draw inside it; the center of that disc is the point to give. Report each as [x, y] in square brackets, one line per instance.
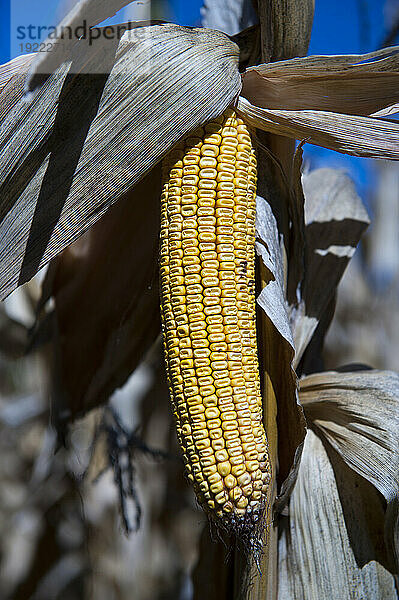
[349, 134]
[359, 85]
[12, 82]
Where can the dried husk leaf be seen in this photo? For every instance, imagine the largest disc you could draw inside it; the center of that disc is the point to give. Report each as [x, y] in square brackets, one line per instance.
[335, 219]
[385, 59]
[51, 196]
[359, 85]
[388, 111]
[268, 246]
[106, 300]
[358, 415]
[349, 134]
[327, 548]
[17, 66]
[278, 348]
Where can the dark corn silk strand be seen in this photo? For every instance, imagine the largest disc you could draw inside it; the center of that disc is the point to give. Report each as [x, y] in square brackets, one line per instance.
[207, 257]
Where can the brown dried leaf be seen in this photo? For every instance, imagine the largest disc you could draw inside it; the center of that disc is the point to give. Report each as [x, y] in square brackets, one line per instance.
[296, 247]
[50, 196]
[358, 85]
[248, 42]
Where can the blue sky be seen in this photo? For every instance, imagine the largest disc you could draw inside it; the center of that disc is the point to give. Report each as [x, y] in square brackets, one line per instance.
[339, 28]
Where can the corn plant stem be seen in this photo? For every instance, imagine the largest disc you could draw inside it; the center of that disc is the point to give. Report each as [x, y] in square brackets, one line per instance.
[285, 32]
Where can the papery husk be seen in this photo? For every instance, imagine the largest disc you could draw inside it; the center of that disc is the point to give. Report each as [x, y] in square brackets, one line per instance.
[296, 239]
[349, 134]
[328, 547]
[78, 143]
[104, 289]
[335, 219]
[362, 84]
[357, 414]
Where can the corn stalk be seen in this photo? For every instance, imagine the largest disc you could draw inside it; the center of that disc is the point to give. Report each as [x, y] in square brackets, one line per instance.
[285, 32]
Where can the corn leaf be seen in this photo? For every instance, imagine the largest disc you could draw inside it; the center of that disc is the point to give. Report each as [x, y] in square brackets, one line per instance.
[358, 416]
[358, 85]
[113, 267]
[335, 219]
[78, 143]
[349, 134]
[296, 236]
[280, 348]
[272, 297]
[329, 546]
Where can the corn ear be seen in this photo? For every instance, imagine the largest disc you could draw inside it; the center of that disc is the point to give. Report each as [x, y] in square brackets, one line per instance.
[207, 255]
